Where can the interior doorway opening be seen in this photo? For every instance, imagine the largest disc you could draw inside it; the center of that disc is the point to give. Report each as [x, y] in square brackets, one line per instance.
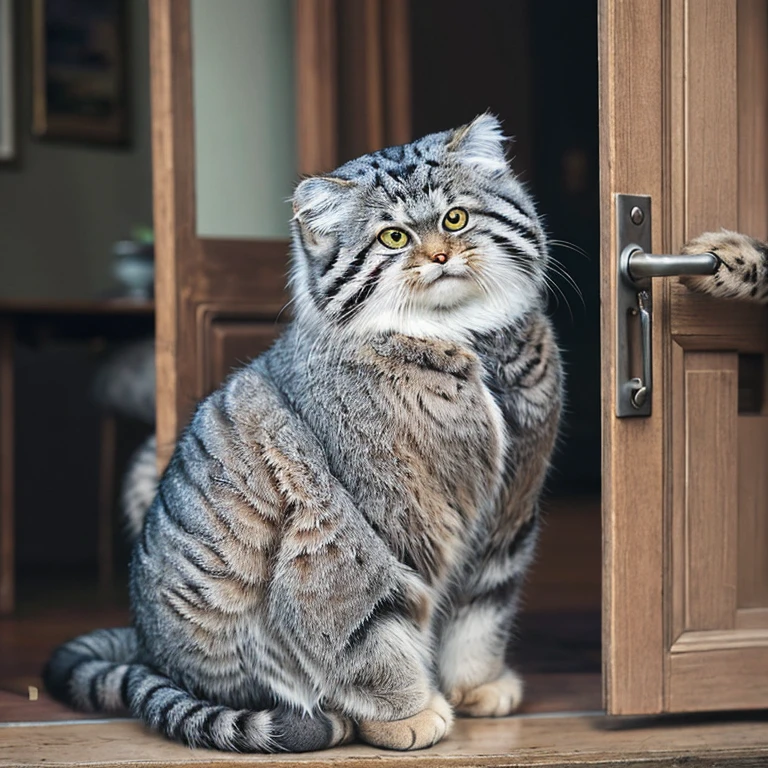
[535, 66]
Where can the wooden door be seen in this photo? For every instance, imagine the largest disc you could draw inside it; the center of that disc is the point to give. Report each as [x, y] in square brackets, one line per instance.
[219, 297]
[685, 498]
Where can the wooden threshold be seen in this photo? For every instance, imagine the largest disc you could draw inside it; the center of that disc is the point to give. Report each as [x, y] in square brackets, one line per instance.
[589, 739]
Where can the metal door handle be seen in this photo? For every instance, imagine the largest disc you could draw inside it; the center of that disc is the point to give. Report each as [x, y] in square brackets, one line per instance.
[641, 265]
[636, 267]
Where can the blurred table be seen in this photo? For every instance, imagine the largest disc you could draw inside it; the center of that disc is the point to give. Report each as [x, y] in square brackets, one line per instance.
[44, 319]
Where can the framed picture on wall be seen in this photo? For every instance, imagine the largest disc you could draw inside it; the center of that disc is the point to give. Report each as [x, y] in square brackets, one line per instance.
[7, 83]
[79, 70]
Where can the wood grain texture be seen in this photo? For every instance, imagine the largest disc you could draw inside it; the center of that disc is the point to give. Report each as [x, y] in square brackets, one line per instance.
[397, 71]
[712, 149]
[374, 78]
[513, 742]
[710, 512]
[316, 84]
[709, 491]
[753, 116]
[670, 128]
[719, 678]
[693, 314]
[233, 343]
[752, 618]
[353, 79]
[630, 68]
[7, 468]
[727, 639]
[173, 196]
[753, 514]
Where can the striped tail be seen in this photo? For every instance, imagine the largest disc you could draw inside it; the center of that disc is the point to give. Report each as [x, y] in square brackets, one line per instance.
[98, 673]
[90, 673]
[139, 486]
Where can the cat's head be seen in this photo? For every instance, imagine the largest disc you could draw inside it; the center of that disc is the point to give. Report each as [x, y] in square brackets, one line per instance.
[435, 238]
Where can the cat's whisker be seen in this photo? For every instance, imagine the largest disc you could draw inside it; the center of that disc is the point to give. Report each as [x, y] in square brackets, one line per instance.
[571, 247]
[559, 269]
[285, 306]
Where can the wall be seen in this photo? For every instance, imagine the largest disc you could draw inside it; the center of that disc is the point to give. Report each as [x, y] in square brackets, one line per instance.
[245, 134]
[63, 204]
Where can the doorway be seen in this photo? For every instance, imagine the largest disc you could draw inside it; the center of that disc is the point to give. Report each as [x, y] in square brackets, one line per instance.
[535, 66]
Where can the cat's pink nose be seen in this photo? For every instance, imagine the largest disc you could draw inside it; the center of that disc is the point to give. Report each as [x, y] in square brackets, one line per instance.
[440, 258]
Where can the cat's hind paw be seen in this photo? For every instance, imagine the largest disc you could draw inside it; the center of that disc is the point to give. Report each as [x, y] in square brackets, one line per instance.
[743, 269]
[498, 698]
[422, 730]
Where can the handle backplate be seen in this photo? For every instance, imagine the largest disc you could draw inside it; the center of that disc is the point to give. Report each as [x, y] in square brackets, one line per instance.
[633, 232]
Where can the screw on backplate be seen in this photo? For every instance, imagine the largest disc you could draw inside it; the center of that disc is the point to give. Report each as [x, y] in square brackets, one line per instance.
[637, 215]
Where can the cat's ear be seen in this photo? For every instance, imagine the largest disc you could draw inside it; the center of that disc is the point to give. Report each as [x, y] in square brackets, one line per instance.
[480, 143]
[316, 203]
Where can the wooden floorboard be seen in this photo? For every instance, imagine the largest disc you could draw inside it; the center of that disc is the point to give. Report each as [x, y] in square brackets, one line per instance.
[557, 648]
[519, 741]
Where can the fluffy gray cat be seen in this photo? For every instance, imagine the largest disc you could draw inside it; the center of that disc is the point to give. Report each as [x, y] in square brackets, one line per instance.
[337, 544]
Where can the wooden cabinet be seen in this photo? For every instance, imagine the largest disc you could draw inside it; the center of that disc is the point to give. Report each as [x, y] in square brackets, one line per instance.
[683, 120]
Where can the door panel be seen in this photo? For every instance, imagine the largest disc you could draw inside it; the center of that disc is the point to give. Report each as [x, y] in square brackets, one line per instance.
[705, 501]
[230, 342]
[752, 565]
[686, 500]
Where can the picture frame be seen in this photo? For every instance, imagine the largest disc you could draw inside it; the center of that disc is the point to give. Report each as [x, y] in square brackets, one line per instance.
[8, 148]
[79, 70]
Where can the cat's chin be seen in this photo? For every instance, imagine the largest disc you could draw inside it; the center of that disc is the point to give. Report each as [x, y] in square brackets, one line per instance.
[448, 292]
[458, 323]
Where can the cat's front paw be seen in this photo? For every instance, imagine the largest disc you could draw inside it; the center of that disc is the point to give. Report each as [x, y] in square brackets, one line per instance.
[498, 698]
[424, 729]
[342, 729]
[742, 272]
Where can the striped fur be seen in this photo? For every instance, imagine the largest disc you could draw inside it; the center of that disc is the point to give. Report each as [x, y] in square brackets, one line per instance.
[341, 534]
[99, 673]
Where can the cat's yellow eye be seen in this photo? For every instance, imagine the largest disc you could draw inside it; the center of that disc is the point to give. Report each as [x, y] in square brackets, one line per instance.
[393, 237]
[455, 219]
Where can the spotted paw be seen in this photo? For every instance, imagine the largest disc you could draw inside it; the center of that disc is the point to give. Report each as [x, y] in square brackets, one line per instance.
[422, 730]
[495, 699]
[743, 269]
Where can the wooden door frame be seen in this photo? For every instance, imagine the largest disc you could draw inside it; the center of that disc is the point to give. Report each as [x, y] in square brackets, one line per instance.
[631, 65]
[189, 268]
[333, 70]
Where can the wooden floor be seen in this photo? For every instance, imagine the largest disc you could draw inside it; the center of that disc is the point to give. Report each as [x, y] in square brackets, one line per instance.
[557, 645]
[557, 648]
[559, 656]
[543, 740]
